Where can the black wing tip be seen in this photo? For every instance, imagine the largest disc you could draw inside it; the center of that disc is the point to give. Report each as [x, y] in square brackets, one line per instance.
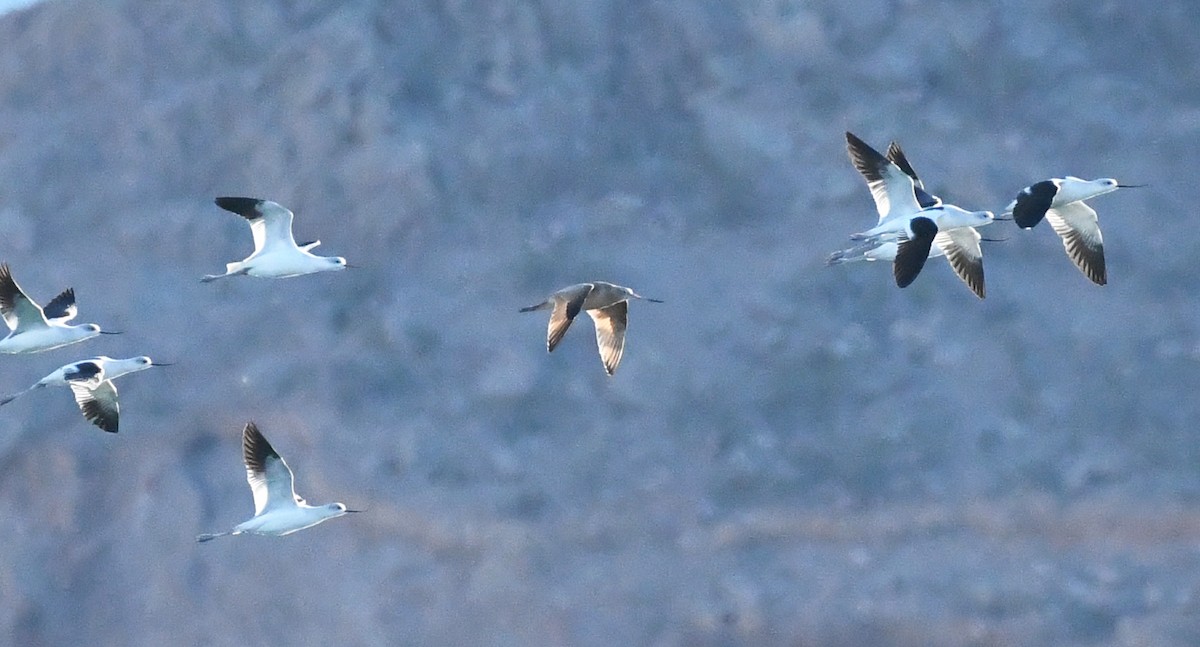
[868, 161]
[60, 306]
[6, 278]
[896, 156]
[95, 414]
[255, 447]
[244, 207]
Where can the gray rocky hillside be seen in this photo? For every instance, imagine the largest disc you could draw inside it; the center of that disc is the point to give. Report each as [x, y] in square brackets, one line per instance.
[789, 455]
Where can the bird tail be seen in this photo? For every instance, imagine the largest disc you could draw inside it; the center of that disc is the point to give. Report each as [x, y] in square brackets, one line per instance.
[231, 269]
[838, 257]
[541, 306]
[851, 255]
[9, 398]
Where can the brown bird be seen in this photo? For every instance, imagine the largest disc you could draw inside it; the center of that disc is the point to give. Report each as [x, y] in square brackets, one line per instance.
[606, 303]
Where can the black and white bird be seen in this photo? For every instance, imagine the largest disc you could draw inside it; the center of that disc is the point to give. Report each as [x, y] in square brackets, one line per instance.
[91, 381]
[278, 510]
[276, 254]
[914, 225]
[608, 306]
[1061, 202]
[34, 328]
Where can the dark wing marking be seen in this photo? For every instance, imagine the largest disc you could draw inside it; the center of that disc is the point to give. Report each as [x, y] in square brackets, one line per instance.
[610, 333]
[83, 371]
[891, 188]
[269, 476]
[18, 310]
[1077, 225]
[924, 198]
[244, 207]
[565, 311]
[912, 253]
[99, 405]
[62, 307]
[1032, 203]
[962, 250]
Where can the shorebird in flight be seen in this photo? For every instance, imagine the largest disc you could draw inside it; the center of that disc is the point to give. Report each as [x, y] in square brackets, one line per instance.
[91, 381]
[34, 328]
[959, 245]
[608, 306]
[278, 510]
[1061, 202]
[276, 254]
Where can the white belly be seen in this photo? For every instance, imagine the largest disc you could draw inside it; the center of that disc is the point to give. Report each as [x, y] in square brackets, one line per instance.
[35, 341]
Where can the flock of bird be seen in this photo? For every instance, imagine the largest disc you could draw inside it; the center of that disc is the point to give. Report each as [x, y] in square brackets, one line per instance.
[913, 226]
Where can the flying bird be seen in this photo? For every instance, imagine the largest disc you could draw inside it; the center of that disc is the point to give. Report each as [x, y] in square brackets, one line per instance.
[1061, 202]
[91, 381]
[34, 328]
[278, 510]
[608, 306]
[959, 245]
[913, 218]
[276, 254]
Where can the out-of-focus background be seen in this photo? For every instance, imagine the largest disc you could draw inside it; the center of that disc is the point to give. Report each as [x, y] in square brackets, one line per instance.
[790, 454]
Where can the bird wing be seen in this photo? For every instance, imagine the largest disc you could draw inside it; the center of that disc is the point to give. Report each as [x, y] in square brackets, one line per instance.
[924, 198]
[1077, 225]
[277, 224]
[961, 247]
[269, 476]
[98, 404]
[567, 304]
[62, 307]
[89, 372]
[610, 333]
[913, 251]
[270, 222]
[20, 313]
[891, 187]
[1032, 203]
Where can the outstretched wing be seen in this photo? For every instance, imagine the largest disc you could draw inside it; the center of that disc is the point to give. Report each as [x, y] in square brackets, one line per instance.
[924, 198]
[891, 187]
[62, 307]
[270, 478]
[20, 313]
[567, 304]
[99, 404]
[270, 222]
[610, 333]
[1077, 225]
[962, 250]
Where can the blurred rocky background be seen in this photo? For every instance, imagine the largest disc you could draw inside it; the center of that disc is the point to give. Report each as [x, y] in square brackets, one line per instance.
[790, 454]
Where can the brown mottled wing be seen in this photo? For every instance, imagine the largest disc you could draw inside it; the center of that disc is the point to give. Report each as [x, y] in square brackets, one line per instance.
[566, 307]
[99, 405]
[270, 478]
[961, 247]
[1077, 225]
[610, 333]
